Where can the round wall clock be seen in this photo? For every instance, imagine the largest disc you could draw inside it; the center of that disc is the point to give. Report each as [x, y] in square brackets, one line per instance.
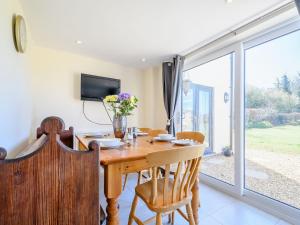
[20, 34]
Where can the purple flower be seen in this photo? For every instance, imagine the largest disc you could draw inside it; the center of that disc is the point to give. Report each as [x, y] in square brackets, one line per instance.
[123, 96]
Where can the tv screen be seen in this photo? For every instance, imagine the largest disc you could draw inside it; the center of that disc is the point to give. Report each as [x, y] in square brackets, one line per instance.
[95, 88]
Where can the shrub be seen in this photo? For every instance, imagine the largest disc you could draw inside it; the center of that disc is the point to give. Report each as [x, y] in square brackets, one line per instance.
[295, 123]
[273, 99]
[260, 124]
[284, 118]
[256, 97]
[281, 101]
[255, 115]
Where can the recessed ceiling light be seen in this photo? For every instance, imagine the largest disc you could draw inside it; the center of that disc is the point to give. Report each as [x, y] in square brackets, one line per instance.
[78, 42]
[228, 1]
[143, 59]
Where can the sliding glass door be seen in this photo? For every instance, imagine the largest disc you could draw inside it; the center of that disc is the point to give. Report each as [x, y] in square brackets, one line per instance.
[245, 99]
[206, 107]
[272, 118]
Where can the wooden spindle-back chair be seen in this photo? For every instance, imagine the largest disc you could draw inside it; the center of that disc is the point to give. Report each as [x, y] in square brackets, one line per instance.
[152, 133]
[145, 129]
[155, 133]
[192, 135]
[166, 195]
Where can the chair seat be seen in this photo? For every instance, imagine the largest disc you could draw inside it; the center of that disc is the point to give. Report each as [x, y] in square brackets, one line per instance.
[144, 192]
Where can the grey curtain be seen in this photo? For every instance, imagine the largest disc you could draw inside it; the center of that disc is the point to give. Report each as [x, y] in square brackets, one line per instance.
[172, 73]
[298, 5]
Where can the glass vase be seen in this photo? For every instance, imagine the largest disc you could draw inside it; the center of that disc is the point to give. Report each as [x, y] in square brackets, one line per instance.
[119, 126]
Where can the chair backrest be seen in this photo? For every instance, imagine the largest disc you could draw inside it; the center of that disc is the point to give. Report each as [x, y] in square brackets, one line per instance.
[53, 185]
[188, 161]
[196, 136]
[154, 133]
[145, 129]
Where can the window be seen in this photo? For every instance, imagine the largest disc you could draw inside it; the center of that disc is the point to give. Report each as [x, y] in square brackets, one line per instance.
[272, 118]
[246, 100]
[207, 92]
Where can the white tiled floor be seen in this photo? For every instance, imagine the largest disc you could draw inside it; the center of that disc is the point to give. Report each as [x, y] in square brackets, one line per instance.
[217, 208]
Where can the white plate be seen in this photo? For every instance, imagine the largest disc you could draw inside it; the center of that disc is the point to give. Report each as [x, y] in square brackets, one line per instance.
[182, 142]
[142, 134]
[163, 139]
[103, 146]
[108, 142]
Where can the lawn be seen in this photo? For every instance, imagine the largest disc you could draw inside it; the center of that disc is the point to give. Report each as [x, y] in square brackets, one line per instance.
[285, 139]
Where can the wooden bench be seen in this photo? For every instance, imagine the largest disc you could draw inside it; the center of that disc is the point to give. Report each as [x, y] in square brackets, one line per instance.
[66, 136]
[52, 184]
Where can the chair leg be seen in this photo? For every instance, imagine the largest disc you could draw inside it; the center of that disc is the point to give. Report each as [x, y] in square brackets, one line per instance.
[102, 215]
[171, 218]
[199, 198]
[140, 177]
[160, 172]
[125, 181]
[132, 211]
[158, 219]
[190, 214]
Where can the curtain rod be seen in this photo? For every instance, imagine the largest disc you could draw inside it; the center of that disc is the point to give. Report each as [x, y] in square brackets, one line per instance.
[284, 8]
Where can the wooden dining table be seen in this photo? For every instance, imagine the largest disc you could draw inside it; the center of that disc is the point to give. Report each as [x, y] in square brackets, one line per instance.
[130, 158]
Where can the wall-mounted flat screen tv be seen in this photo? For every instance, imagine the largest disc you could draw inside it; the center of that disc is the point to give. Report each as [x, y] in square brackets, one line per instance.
[95, 88]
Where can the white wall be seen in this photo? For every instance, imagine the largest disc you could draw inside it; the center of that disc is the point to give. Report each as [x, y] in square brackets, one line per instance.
[56, 88]
[217, 75]
[15, 96]
[45, 82]
[155, 113]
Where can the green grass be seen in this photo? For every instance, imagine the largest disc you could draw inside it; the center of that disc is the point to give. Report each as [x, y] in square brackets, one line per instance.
[285, 139]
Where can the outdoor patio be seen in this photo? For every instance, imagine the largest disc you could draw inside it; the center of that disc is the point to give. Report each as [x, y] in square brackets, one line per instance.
[276, 175]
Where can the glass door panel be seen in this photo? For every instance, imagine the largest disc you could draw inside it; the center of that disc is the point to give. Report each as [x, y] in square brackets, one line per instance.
[188, 111]
[204, 114]
[206, 108]
[272, 119]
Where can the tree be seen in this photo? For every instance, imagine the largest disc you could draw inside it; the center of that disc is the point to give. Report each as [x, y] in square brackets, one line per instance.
[296, 89]
[296, 84]
[285, 84]
[256, 97]
[281, 101]
[277, 83]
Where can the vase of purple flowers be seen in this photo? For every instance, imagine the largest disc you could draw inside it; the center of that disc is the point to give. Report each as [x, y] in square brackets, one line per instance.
[120, 126]
[122, 106]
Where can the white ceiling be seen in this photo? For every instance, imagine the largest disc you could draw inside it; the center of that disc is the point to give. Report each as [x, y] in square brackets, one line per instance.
[125, 31]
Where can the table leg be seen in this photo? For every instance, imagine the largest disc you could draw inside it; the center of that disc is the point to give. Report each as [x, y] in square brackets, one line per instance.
[112, 191]
[195, 201]
[112, 211]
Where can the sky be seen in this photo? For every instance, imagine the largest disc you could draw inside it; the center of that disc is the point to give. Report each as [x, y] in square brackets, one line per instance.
[265, 62]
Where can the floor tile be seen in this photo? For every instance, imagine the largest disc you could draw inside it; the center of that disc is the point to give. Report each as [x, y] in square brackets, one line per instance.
[281, 222]
[240, 213]
[212, 200]
[217, 208]
[209, 221]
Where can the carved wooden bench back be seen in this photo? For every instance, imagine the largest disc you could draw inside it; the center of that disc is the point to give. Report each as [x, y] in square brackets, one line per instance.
[53, 185]
[66, 136]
